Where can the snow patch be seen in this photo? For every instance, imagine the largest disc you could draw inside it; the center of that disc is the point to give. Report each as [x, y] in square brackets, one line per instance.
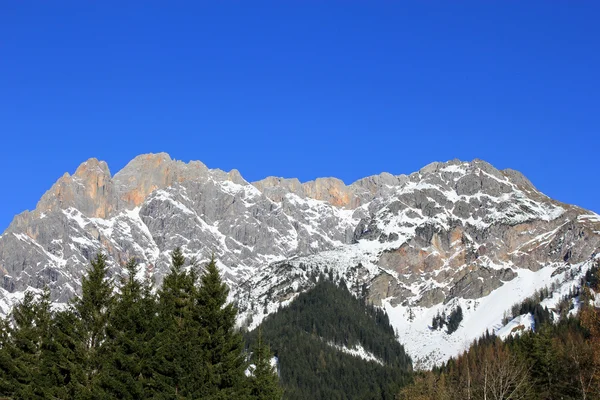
[357, 351]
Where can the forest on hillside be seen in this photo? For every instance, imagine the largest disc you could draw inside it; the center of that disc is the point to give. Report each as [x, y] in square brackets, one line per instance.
[306, 337]
[554, 361]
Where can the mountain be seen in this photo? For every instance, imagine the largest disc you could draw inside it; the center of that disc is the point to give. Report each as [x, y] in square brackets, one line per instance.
[452, 234]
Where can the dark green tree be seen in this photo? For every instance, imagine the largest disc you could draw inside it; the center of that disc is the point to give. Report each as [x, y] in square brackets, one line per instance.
[454, 320]
[7, 384]
[126, 364]
[177, 358]
[66, 357]
[222, 344]
[24, 347]
[264, 382]
[93, 308]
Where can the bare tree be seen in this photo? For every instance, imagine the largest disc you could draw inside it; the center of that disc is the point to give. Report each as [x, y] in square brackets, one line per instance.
[506, 377]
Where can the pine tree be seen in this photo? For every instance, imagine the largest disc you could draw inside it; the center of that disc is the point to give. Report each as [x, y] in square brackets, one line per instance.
[177, 359]
[23, 348]
[20, 348]
[7, 385]
[222, 345]
[454, 320]
[66, 357]
[264, 382]
[130, 328]
[93, 308]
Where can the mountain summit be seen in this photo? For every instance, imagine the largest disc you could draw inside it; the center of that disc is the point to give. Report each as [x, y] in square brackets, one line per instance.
[452, 234]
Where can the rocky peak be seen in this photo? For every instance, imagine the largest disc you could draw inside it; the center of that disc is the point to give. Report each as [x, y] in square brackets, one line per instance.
[89, 190]
[93, 168]
[332, 190]
[143, 175]
[462, 178]
[235, 177]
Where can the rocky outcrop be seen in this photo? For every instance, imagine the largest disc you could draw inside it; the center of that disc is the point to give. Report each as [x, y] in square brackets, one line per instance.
[90, 190]
[479, 283]
[453, 230]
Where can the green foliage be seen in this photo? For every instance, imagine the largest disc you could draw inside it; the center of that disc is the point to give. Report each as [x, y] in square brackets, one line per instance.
[454, 320]
[302, 334]
[264, 382]
[126, 364]
[177, 357]
[129, 343]
[222, 345]
[93, 309]
[24, 345]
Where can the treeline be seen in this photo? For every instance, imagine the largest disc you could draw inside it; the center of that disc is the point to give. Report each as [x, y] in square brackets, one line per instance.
[541, 315]
[557, 361]
[179, 343]
[304, 334]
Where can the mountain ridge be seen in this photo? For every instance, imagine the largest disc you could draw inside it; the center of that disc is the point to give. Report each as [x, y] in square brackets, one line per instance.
[451, 233]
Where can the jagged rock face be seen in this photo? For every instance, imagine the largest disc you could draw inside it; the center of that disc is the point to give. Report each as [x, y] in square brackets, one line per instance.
[89, 190]
[152, 206]
[453, 225]
[450, 231]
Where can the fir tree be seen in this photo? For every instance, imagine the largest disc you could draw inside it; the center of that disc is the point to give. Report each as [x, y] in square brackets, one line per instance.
[223, 345]
[24, 347]
[130, 328]
[93, 308]
[454, 320]
[264, 382]
[177, 357]
[7, 386]
[66, 357]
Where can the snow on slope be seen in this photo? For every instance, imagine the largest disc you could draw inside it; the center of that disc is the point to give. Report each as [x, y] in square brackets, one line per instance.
[357, 351]
[428, 346]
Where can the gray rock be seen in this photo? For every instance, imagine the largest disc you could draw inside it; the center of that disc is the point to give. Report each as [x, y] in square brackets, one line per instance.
[480, 283]
[422, 239]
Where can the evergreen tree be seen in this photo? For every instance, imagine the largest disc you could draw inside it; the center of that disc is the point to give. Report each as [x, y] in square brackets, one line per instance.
[222, 345]
[24, 348]
[93, 308]
[25, 342]
[66, 357]
[264, 382]
[7, 385]
[177, 358]
[454, 320]
[130, 328]
[543, 359]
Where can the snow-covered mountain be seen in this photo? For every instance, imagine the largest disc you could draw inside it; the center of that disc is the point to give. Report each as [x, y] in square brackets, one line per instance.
[452, 233]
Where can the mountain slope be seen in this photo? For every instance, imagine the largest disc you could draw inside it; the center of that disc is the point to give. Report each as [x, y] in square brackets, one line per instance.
[329, 344]
[452, 233]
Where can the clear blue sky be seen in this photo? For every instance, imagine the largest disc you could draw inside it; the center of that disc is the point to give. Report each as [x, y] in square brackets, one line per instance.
[300, 88]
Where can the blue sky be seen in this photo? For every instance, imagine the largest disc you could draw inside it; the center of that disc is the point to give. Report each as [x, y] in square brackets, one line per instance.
[300, 88]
